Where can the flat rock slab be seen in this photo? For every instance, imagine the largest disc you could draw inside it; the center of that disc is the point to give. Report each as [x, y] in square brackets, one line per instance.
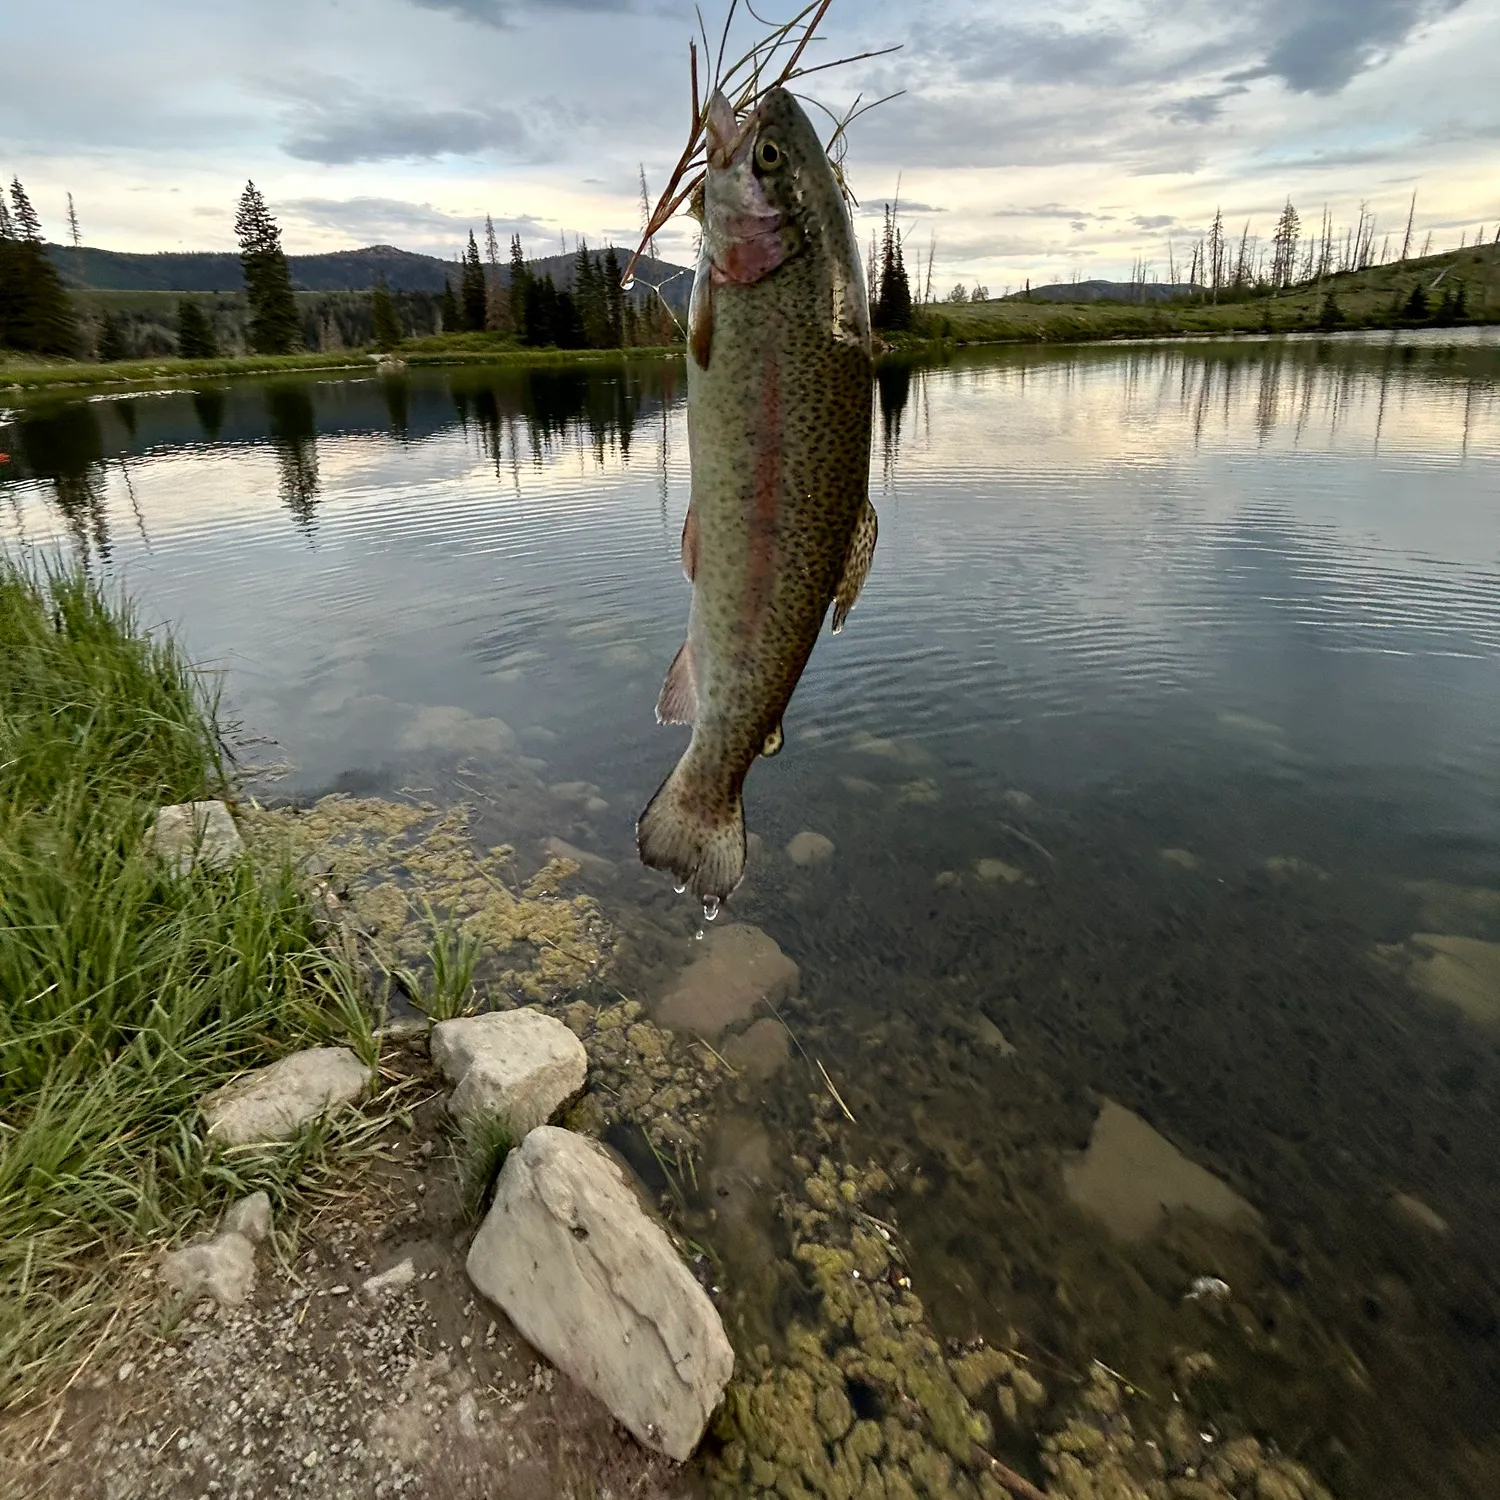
[740, 966]
[594, 1284]
[274, 1103]
[1130, 1175]
[196, 833]
[518, 1066]
[595, 865]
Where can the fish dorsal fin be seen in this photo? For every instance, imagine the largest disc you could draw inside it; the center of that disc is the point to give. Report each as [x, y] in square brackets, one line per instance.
[678, 703]
[773, 743]
[690, 544]
[856, 565]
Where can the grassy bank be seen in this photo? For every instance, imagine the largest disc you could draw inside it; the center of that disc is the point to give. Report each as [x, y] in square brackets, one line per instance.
[20, 375]
[1374, 298]
[125, 992]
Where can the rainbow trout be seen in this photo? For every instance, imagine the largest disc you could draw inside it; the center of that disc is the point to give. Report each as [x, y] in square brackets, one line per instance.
[780, 524]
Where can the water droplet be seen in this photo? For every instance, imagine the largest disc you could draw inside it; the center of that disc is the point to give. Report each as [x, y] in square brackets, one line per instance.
[710, 908]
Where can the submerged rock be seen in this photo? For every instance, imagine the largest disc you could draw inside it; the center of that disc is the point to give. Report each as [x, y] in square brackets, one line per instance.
[196, 833]
[595, 1285]
[518, 1066]
[275, 1102]
[996, 870]
[595, 865]
[739, 967]
[1130, 1175]
[809, 848]
[760, 1051]
[1463, 971]
[1184, 858]
[1410, 1210]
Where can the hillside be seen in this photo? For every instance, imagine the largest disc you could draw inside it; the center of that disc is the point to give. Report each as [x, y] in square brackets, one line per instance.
[335, 271]
[1373, 298]
[1105, 291]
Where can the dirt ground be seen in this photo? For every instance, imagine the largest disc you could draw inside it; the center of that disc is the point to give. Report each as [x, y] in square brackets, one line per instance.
[319, 1388]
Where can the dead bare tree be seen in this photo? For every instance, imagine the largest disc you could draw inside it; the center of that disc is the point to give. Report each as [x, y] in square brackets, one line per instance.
[1411, 215]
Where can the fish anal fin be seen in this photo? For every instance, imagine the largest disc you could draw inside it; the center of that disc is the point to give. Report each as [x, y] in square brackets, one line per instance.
[678, 702]
[701, 321]
[690, 544]
[856, 565]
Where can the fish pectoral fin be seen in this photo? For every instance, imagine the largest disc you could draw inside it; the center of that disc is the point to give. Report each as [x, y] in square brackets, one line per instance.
[690, 544]
[701, 321]
[678, 702]
[773, 743]
[856, 565]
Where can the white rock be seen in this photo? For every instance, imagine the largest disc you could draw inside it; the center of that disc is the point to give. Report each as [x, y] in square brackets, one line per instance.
[191, 833]
[250, 1217]
[274, 1103]
[223, 1269]
[594, 1284]
[402, 1274]
[809, 848]
[517, 1065]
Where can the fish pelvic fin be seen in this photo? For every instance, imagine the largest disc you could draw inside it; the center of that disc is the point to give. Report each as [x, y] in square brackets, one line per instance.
[678, 701]
[690, 544]
[856, 565]
[694, 827]
[701, 321]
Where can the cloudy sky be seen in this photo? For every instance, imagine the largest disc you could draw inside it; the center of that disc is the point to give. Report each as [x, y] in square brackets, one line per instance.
[1040, 140]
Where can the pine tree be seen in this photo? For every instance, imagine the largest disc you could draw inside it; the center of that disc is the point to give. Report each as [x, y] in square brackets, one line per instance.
[35, 314]
[274, 324]
[614, 296]
[1216, 253]
[1416, 305]
[195, 334]
[1284, 257]
[893, 301]
[519, 276]
[471, 290]
[448, 309]
[591, 298]
[497, 304]
[387, 324]
[111, 345]
[1332, 314]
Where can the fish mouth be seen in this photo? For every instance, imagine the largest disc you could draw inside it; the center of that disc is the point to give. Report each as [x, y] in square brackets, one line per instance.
[728, 140]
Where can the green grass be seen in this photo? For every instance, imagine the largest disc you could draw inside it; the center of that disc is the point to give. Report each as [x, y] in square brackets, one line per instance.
[125, 992]
[1366, 299]
[21, 374]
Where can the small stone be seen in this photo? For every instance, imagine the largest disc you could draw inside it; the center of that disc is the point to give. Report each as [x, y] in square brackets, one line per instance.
[945, 880]
[1412, 1211]
[223, 1268]
[809, 848]
[126, 1370]
[1021, 801]
[251, 1217]
[275, 1102]
[196, 833]
[516, 1065]
[996, 870]
[1182, 858]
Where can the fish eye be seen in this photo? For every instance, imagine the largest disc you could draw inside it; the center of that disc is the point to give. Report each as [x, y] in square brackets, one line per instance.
[768, 155]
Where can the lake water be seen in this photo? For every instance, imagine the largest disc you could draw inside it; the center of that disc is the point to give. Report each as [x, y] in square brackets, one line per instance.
[1238, 602]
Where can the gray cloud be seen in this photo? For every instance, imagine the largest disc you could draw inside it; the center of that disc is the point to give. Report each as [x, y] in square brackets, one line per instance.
[874, 207]
[1153, 221]
[342, 130]
[985, 50]
[385, 220]
[1317, 46]
[502, 13]
[1050, 211]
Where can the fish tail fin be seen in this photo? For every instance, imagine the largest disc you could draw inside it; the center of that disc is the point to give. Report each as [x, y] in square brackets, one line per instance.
[694, 827]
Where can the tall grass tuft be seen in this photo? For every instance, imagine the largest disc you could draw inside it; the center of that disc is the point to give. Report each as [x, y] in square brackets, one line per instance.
[125, 992]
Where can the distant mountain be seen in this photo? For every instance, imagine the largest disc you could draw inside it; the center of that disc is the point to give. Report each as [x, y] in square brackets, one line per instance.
[335, 271]
[1105, 291]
